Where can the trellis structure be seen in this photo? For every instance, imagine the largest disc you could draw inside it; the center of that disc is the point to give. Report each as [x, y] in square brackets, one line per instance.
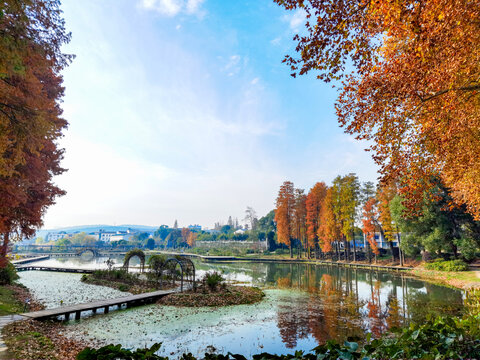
[132, 253]
[187, 270]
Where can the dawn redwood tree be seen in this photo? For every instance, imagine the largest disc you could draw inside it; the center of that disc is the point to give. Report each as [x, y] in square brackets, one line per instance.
[284, 210]
[315, 198]
[329, 228]
[299, 219]
[413, 89]
[32, 33]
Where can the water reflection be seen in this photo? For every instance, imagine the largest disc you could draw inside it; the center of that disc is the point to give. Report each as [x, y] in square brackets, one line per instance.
[345, 302]
[309, 305]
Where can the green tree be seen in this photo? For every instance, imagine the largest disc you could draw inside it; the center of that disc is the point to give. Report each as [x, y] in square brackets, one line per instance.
[441, 227]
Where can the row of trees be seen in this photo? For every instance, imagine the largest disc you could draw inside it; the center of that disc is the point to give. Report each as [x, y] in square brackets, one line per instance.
[327, 216]
[319, 220]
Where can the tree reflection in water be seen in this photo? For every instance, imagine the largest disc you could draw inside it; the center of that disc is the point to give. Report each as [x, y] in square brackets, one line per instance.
[344, 303]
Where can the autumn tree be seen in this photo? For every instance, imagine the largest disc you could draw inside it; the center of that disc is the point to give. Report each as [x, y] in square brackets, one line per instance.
[191, 239]
[30, 115]
[345, 196]
[313, 204]
[413, 88]
[299, 219]
[284, 213]
[185, 234]
[329, 228]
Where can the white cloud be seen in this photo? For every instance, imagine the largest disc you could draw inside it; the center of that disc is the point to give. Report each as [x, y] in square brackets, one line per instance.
[174, 7]
[275, 41]
[193, 6]
[254, 81]
[296, 19]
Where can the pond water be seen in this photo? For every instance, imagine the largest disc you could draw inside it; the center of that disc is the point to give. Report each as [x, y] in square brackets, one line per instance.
[304, 305]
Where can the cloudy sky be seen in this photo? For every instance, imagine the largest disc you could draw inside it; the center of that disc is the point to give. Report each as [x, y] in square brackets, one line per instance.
[182, 109]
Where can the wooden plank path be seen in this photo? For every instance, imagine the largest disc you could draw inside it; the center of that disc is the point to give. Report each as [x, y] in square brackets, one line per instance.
[29, 260]
[129, 301]
[56, 269]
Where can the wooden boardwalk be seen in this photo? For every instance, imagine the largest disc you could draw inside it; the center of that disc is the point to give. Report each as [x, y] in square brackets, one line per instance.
[129, 301]
[56, 269]
[30, 260]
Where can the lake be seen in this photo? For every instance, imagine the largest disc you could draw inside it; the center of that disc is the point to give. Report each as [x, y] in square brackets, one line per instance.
[305, 305]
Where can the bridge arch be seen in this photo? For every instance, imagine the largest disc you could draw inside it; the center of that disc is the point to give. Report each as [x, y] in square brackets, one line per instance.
[94, 252]
[132, 253]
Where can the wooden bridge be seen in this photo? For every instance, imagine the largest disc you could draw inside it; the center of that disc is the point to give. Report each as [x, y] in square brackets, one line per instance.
[128, 301]
[57, 269]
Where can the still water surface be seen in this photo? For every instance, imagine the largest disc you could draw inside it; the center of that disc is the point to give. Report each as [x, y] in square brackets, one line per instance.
[304, 305]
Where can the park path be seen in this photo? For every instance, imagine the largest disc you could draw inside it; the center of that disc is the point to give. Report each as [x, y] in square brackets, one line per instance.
[4, 321]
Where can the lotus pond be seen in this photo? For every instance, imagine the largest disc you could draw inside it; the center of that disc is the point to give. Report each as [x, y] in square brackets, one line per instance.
[304, 305]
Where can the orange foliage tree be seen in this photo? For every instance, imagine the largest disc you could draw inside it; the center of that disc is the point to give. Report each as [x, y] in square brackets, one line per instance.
[30, 114]
[285, 207]
[329, 227]
[191, 239]
[299, 218]
[414, 88]
[185, 235]
[314, 201]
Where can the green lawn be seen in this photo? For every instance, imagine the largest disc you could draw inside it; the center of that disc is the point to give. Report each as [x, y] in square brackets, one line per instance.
[8, 303]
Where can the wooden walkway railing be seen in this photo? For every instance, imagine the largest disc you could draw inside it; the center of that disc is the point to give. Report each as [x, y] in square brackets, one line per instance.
[129, 301]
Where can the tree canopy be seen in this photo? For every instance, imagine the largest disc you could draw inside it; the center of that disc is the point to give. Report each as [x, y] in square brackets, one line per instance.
[32, 33]
[411, 88]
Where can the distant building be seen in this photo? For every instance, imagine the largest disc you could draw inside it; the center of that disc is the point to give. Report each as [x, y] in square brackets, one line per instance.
[195, 227]
[57, 236]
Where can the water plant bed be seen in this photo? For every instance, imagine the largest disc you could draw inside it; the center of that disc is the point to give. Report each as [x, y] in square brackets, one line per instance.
[137, 288]
[223, 296]
[35, 340]
[124, 281]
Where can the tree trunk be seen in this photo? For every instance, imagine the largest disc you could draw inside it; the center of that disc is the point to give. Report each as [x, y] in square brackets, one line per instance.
[346, 245]
[291, 250]
[369, 252]
[4, 247]
[354, 247]
[399, 249]
[390, 243]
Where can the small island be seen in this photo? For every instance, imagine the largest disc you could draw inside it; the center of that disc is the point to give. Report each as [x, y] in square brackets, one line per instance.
[165, 273]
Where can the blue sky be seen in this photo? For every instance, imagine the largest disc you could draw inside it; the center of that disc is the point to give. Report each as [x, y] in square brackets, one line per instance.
[182, 109]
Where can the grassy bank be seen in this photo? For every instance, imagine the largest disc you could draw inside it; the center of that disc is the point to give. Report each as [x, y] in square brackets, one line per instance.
[464, 280]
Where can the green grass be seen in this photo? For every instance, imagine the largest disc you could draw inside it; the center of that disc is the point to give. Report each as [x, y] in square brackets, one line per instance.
[8, 303]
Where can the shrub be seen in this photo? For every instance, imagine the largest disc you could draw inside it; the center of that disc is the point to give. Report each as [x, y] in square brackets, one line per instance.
[451, 265]
[8, 274]
[213, 279]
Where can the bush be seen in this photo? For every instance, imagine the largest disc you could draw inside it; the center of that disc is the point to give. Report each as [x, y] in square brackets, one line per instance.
[451, 265]
[8, 274]
[213, 279]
